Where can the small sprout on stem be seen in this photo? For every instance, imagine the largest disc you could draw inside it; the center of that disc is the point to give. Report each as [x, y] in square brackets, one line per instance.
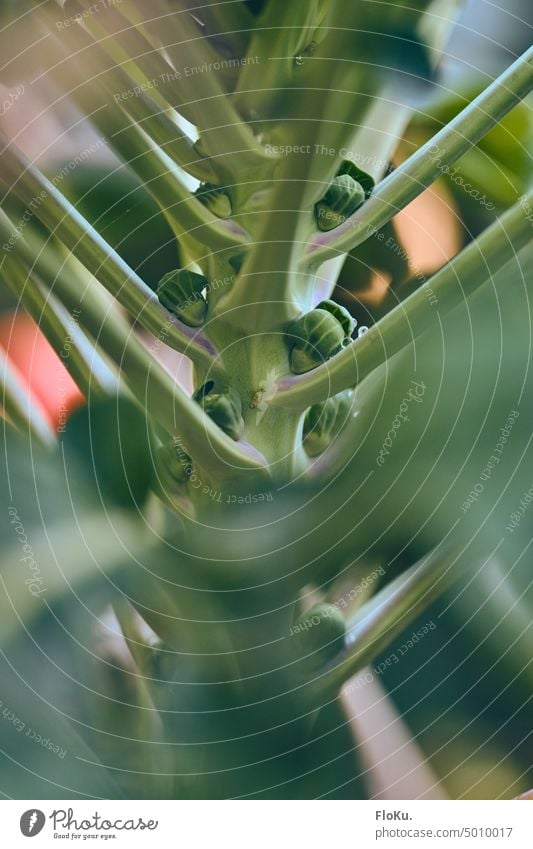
[182, 292]
[324, 421]
[343, 197]
[215, 198]
[316, 336]
[341, 314]
[225, 408]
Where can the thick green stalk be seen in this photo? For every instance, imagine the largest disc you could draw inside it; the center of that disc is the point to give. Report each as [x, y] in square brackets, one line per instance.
[450, 286]
[274, 275]
[151, 384]
[123, 90]
[355, 116]
[92, 89]
[272, 287]
[428, 163]
[63, 219]
[229, 23]
[390, 611]
[282, 32]
[224, 138]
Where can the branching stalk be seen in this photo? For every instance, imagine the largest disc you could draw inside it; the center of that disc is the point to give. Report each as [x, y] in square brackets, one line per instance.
[428, 163]
[151, 384]
[449, 287]
[224, 138]
[387, 614]
[88, 246]
[188, 218]
[123, 91]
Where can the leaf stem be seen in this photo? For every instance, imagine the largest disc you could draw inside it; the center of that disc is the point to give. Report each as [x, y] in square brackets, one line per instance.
[387, 614]
[149, 382]
[428, 163]
[82, 361]
[452, 284]
[153, 165]
[123, 90]
[226, 140]
[87, 245]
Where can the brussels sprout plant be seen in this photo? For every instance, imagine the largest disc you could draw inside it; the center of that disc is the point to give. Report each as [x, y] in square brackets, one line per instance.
[262, 493]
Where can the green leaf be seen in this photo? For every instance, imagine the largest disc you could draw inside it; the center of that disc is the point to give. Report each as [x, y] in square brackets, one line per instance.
[114, 440]
[55, 538]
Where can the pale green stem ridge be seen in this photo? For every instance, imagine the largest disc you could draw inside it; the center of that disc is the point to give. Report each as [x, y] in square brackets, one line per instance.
[428, 163]
[64, 220]
[450, 286]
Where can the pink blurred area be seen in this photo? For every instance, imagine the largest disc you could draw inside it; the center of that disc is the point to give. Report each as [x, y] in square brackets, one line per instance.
[39, 368]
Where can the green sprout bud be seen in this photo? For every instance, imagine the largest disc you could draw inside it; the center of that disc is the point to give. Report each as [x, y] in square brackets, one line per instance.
[324, 421]
[360, 176]
[342, 198]
[341, 314]
[173, 462]
[316, 336]
[225, 408]
[318, 635]
[215, 198]
[182, 293]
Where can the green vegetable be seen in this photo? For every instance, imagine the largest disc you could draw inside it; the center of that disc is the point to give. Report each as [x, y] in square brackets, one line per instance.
[215, 198]
[342, 198]
[341, 314]
[225, 408]
[366, 180]
[182, 293]
[324, 421]
[316, 336]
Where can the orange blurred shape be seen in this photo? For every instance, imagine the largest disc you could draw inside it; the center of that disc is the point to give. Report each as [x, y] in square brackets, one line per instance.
[429, 229]
[377, 289]
[40, 366]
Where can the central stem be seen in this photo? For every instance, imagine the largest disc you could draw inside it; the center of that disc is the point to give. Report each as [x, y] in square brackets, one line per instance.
[254, 365]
